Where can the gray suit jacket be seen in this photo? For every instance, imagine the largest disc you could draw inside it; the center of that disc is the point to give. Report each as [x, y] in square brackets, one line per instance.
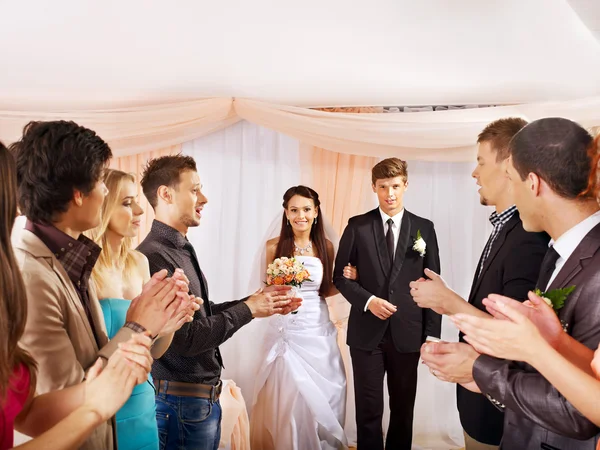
[537, 416]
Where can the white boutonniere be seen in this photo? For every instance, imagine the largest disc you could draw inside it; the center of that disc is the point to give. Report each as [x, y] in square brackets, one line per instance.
[419, 245]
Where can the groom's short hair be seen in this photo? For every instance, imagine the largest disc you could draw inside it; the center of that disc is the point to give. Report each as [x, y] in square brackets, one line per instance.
[389, 168]
[558, 151]
[499, 133]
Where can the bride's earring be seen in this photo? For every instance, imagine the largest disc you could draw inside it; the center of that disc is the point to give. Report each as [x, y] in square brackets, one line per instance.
[288, 221]
[315, 222]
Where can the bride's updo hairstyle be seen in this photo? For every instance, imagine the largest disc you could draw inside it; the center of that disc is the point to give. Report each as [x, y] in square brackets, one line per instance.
[285, 246]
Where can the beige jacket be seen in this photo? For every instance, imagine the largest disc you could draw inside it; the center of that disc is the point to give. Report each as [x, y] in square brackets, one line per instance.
[58, 334]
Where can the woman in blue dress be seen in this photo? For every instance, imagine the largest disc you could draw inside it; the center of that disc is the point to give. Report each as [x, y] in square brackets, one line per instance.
[118, 277]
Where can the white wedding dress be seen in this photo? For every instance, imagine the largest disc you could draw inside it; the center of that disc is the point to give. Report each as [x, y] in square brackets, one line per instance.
[300, 389]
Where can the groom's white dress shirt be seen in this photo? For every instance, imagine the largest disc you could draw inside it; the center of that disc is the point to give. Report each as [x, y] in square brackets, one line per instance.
[397, 219]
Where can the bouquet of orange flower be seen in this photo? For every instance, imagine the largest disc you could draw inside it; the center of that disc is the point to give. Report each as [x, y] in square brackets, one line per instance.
[287, 272]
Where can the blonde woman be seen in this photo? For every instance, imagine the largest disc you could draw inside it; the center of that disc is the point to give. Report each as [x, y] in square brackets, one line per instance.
[119, 276]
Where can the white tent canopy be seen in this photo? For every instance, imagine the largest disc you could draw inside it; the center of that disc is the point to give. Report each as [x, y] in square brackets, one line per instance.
[69, 54]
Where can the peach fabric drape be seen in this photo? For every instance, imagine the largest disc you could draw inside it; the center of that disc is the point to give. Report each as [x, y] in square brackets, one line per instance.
[235, 426]
[134, 164]
[130, 131]
[428, 136]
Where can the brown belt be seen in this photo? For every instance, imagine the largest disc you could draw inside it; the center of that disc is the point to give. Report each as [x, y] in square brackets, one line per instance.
[189, 389]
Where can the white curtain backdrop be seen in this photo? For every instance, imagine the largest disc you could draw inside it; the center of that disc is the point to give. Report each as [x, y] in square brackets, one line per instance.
[245, 169]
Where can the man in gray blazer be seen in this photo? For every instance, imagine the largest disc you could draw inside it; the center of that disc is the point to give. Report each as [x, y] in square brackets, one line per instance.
[548, 175]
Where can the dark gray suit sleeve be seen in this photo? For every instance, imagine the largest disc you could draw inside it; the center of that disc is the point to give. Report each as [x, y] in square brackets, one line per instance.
[350, 289]
[525, 391]
[431, 319]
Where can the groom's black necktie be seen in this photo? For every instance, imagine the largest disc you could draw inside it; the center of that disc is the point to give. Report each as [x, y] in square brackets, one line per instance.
[389, 238]
[548, 266]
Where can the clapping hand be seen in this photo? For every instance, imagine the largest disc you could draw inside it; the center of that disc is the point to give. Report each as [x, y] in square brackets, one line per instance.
[450, 361]
[184, 314]
[535, 309]
[107, 389]
[596, 363]
[517, 338]
[160, 299]
[188, 306]
[430, 293]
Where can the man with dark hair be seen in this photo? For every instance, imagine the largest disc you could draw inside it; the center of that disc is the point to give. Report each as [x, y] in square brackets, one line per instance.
[509, 265]
[390, 247]
[60, 169]
[188, 376]
[548, 174]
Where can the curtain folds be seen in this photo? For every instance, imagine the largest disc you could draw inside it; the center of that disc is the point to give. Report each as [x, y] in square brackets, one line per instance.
[426, 136]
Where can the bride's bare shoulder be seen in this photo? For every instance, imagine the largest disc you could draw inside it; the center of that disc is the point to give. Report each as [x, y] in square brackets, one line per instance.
[272, 243]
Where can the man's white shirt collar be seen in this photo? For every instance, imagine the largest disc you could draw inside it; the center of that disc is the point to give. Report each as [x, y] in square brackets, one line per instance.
[566, 244]
[397, 218]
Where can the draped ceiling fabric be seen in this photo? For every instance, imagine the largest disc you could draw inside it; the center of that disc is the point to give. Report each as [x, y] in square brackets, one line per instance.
[105, 66]
[426, 136]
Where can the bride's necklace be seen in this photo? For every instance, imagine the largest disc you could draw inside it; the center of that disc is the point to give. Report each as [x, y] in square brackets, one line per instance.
[302, 250]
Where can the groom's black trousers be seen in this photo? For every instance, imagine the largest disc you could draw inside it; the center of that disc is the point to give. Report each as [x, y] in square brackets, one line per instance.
[369, 369]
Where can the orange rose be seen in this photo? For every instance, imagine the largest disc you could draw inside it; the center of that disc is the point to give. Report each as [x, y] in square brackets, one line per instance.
[289, 278]
[278, 281]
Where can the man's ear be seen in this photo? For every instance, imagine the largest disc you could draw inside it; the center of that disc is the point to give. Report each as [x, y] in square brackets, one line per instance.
[534, 183]
[78, 197]
[164, 192]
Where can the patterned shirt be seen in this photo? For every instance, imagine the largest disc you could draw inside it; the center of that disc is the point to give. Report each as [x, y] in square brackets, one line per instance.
[498, 221]
[193, 356]
[77, 256]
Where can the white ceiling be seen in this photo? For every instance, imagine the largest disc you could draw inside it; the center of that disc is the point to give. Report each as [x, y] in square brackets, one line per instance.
[78, 54]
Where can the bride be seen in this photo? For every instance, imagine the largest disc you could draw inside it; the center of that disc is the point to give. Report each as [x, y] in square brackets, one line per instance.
[300, 390]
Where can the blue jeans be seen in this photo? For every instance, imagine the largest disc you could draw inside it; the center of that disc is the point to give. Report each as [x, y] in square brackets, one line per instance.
[188, 422]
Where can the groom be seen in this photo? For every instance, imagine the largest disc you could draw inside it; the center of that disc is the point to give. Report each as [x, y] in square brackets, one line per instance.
[386, 328]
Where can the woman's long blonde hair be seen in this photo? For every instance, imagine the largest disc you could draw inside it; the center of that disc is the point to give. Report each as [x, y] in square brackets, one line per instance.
[124, 261]
[13, 296]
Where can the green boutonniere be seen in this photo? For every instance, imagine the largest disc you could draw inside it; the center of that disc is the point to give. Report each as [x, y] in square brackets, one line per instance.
[556, 297]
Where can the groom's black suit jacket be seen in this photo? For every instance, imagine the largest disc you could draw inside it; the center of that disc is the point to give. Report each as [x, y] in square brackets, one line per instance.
[511, 269]
[363, 245]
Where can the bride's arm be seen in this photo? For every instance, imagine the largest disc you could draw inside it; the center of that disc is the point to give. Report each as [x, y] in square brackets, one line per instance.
[271, 248]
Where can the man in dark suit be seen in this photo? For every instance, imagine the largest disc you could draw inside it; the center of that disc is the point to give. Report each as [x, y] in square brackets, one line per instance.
[390, 247]
[509, 264]
[548, 175]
